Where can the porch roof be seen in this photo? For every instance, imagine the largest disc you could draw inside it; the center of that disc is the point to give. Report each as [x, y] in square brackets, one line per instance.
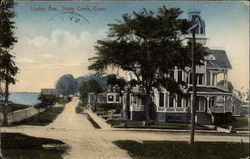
[210, 90]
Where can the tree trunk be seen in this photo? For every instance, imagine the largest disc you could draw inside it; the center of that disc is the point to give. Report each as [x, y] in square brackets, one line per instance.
[194, 92]
[146, 107]
[6, 103]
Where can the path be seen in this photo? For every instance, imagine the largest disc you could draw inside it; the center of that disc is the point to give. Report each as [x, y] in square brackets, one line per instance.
[74, 129]
[86, 142]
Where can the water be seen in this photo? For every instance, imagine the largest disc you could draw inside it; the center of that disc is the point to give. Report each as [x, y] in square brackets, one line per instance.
[24, 98]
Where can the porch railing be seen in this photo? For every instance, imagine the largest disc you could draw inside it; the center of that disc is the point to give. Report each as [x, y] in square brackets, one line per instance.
[138, 108]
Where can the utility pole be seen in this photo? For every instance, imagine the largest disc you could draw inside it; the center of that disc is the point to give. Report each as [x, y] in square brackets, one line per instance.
[193, 109]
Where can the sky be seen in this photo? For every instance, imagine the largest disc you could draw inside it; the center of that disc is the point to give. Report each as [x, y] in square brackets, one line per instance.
[52, 42]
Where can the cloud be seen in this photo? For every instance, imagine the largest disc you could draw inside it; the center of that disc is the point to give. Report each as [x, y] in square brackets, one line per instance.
[60, 47]
[51, 56]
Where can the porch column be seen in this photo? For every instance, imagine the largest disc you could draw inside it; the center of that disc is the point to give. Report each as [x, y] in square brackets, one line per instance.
[224, 103]
[191, 100]
[211, 78]
[207, 107]
[226, 81]
[215, 79]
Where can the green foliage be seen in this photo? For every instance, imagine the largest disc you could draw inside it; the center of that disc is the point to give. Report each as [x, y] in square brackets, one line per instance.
[80, 106]
[149, 45]
[91, 86]
[7, 25]
[110, 106]
[42, 119]
[146, 41]
[16, 107]
[7, 41]
[133, 123]
[113, 81]
[8, 67]
[223, 118]
[47, 100]
[153, 124]
[182, 149]
[64, 100]
[20, 146]
[230, 86]
[79, 109]
[66, 85]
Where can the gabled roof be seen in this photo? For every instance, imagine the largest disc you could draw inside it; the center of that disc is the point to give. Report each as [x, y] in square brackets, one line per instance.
[221, 60]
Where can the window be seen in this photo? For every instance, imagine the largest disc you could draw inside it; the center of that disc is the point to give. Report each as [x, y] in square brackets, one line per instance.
[179, 76]
[179, 100]
[184, 102]
[161, 99]
[208, 78]
[190, 78]
[166, 99]
[211, 102]
[171, 101]
[202, 103]
[171, 74]
[197, 103]
[117, 98]
[143, 100]
[110, 98]
[200, 78]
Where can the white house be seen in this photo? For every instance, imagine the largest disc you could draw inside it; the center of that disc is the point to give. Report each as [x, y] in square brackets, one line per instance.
[211, 98]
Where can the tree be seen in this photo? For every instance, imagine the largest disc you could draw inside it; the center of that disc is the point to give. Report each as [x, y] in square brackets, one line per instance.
[7, 72]
[66, 85]
[8, 69]
[150, 46]
[230, 86]
[7, 25]
[91, 86]
[47, 100]
[116, 84]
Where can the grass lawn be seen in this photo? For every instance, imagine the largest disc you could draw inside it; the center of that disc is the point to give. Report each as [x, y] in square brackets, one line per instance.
[42, 119]
[19, 146]
[239, 123]
[179, 150]
[103, 109]
[116, 122]
[130, 123]
[19, 106]
[81, 105]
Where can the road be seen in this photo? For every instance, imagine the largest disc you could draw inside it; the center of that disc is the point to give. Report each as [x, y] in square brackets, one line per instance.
[86, 142]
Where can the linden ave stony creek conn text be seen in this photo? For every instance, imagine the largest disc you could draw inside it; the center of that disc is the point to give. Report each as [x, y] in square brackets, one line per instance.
[67, 8]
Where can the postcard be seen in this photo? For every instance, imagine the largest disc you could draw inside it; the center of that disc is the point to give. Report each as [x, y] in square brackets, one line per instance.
[124, 79]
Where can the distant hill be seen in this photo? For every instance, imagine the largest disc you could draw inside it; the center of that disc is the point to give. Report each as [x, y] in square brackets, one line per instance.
[67, 84]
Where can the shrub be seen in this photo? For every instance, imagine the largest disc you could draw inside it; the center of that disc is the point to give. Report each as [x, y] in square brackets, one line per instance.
[111, 106]
[80, 107]
[223, 118]
[64, 99]
[47, 100]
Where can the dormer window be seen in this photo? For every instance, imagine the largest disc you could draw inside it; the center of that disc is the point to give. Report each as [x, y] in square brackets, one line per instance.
[210, 57]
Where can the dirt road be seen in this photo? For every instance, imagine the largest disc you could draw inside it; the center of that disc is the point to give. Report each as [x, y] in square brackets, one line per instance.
[86, 142]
